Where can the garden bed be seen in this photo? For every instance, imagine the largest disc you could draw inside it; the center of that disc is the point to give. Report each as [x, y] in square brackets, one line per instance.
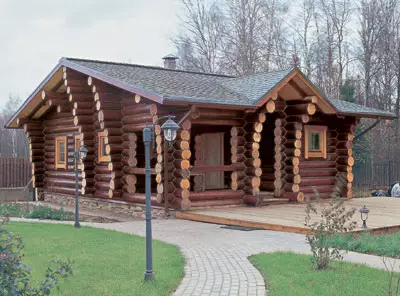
[42, 211]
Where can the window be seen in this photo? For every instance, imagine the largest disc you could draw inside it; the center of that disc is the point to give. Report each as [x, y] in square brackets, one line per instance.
[61, 152]
[102, 147]
[315, 141]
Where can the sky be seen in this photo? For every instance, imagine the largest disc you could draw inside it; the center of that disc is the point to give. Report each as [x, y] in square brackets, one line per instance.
[34, 35]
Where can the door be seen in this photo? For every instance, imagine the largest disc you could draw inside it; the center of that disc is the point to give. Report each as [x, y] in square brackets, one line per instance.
[213, 155]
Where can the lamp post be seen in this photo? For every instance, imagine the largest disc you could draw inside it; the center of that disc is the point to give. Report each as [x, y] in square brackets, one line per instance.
[80, 154]
[364, 216]
[169, 128]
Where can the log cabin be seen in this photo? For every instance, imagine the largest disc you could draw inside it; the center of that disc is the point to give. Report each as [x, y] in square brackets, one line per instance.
[242, 139]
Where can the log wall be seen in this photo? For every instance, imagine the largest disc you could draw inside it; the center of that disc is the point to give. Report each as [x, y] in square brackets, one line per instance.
[59, 180]
[265, 150]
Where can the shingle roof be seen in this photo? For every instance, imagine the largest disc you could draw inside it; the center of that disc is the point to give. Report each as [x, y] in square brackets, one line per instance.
[172, 84]
[198, 87]
[352, 108]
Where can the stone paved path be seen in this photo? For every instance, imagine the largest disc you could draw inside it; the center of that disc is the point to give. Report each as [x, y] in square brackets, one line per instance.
[216, 258]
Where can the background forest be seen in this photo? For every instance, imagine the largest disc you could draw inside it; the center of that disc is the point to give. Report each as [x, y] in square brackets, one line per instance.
[348, 48]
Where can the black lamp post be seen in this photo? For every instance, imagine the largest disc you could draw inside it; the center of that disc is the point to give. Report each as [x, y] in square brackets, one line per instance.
[80, 154]
[364, 216]
[169, 128]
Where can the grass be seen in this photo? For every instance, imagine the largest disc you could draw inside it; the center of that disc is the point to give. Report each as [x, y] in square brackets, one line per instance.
[34, 211]
[292, 274]
[104, 262]
[381, 245]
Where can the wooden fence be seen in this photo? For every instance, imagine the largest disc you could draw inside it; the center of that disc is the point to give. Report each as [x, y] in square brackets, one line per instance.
[369, 177]
[14, 172]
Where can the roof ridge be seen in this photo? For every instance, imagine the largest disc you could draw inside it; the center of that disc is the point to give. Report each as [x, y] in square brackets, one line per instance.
[147, 67]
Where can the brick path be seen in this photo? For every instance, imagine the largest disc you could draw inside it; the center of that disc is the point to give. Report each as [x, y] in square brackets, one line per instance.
[216, 258]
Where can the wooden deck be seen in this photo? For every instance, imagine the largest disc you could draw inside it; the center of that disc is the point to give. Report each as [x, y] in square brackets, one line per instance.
[384, 215]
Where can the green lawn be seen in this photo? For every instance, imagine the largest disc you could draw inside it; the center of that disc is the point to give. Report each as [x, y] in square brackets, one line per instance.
[382, 245]
[104, 262]
[292, 274]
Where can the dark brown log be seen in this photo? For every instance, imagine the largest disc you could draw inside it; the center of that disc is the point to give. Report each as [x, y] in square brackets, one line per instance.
[317, 181]
[298, 109]
[294, 196]
[292, 178]
[215, 195]
[215, 121]
[303, 118]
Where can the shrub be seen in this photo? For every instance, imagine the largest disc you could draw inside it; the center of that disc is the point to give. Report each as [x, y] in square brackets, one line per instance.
[45, 212]
[334, 219]
[15, 275]
[10, 210]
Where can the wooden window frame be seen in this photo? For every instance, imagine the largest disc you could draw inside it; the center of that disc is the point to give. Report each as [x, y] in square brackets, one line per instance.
[320, 129]
[61, 165]
[77, 142]
[102, 157]
[77, 145]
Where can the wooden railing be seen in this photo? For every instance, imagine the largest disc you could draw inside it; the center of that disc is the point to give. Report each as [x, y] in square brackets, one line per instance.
[14, 172]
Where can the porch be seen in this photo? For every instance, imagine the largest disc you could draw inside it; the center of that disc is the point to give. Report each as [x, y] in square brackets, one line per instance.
[383, 217]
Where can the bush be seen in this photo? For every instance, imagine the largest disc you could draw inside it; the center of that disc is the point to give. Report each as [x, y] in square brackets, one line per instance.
[45, 212]
[15, 275]
[334, 219]
[34, 211]
[10, 210]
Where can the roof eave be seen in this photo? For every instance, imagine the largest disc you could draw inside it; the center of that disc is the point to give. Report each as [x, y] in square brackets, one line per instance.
[84, 70]
[32, 95]
[369, 115]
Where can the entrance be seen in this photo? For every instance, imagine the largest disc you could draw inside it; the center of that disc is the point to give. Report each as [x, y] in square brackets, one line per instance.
[213, 155]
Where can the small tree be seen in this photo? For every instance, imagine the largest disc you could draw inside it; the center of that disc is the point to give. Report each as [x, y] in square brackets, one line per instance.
[15, 275]
[393, 276]
[334, 219]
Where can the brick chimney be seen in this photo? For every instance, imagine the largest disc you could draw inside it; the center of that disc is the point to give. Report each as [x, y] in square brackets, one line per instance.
[170, 61]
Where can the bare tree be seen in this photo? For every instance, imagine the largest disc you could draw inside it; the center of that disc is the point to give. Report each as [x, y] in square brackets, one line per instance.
[200, 43]
[13, 143]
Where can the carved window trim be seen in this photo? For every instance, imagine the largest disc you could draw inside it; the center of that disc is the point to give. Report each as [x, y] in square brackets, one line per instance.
[315, 129]
[59, 163]
[102, 156]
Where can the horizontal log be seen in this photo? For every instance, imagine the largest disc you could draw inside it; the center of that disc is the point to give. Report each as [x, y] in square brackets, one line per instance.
[215, 195]
[139, 198]
[310, 181]
[303, 118]
[320, 188]
[318, 172]
[294, 196]
[137, 171]
[215, 121]
[317, 164]
[140, 109]
[209, 168]
[298, 109]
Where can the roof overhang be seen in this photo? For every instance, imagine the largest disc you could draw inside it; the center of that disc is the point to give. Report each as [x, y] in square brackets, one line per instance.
[293, 83]
[35, 105]
[296, 81]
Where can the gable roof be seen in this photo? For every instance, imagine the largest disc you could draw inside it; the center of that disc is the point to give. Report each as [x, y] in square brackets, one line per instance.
[172, 86]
